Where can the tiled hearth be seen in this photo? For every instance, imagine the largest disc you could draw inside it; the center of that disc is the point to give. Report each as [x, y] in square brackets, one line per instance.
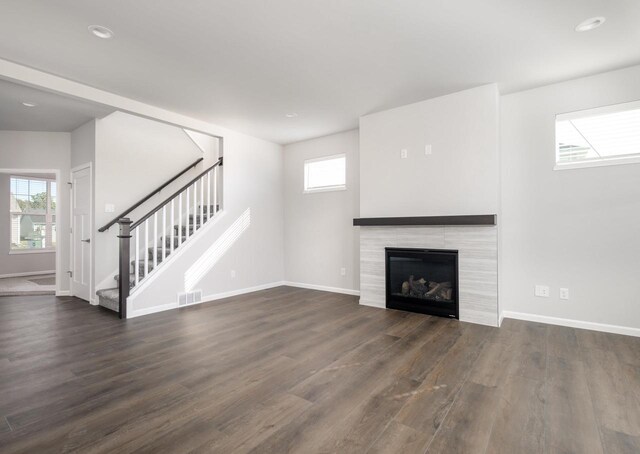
[477, 247]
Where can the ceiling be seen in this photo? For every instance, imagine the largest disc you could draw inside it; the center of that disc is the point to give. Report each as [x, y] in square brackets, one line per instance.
[52, 112]
[244, 64]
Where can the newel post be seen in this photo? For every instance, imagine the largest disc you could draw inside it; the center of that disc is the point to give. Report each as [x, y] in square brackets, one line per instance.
[124, 267]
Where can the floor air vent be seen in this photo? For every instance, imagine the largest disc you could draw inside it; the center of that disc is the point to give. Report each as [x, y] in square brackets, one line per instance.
[185, 299]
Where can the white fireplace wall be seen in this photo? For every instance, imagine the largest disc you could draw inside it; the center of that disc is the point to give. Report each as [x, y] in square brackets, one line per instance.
[477, 248]
[461, 174]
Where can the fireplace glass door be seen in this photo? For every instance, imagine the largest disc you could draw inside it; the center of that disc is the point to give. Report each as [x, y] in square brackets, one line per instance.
[422, 280]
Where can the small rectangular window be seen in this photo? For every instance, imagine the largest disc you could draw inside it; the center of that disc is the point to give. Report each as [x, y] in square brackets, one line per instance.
[595, 137]
[32, 205]
[325, 174]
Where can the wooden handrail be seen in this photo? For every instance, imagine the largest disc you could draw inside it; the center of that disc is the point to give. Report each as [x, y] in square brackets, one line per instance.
[175, 194]
[136, 205]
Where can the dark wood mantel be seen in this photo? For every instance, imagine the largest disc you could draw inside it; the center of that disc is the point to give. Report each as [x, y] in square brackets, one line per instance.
[475, 219]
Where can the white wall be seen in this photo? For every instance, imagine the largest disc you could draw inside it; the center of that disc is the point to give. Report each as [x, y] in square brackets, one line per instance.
[133, 157]
[319, 234]
[459, 177]
[46, 151]
[83, 144]
[578, 229]
[253, 187]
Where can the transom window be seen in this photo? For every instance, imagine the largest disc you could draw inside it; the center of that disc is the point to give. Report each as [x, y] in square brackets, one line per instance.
[32, 206]
[595, 137]
[325, 174]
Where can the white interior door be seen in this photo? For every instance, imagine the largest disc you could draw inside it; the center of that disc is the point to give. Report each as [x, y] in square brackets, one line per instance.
[81, 233]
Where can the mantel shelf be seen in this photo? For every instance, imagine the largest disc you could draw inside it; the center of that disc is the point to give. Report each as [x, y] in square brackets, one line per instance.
[475, 219]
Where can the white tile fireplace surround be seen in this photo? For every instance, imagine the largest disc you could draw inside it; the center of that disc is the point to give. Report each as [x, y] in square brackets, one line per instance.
[477, 247]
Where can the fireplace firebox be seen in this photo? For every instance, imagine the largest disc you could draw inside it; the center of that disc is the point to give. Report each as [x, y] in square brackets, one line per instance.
[422, 280]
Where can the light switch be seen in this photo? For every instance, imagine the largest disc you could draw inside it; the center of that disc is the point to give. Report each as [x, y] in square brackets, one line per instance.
[542, 291]
[427, 150]
[109, 208]
[403, 153]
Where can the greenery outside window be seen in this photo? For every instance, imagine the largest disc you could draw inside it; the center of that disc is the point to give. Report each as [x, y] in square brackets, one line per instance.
[32, 208]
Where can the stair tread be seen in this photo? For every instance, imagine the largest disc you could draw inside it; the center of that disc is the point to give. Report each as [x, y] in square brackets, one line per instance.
[109, 293]
[109, 298]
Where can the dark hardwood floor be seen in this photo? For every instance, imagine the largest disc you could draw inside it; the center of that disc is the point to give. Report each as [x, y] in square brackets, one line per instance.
[292, 370]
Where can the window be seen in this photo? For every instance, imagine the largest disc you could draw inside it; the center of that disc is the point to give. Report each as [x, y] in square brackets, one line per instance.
[325, 174]
[595, 137]
[32, 205]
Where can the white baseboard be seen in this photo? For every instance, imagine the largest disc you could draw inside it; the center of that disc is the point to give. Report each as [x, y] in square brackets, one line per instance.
[63, 293]
[323, 288]
[152, 310]
[205, 299]
[616, 329]
[256, 288]
[370, 304]
[30, 273]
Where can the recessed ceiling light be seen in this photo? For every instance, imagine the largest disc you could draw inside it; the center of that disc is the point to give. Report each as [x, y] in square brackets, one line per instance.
[590, 24]
[101, 32]
[29, 104]
[291, 115]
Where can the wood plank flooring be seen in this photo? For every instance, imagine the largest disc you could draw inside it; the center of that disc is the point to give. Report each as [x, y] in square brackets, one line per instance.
[293, 370]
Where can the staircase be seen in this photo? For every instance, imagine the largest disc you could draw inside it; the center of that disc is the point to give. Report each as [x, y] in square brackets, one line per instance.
[160, 233]
[110, 297]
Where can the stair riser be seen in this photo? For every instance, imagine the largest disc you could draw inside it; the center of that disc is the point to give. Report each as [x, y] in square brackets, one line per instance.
[184, 229]
[107, 303]
[198, 218]
[176, 242]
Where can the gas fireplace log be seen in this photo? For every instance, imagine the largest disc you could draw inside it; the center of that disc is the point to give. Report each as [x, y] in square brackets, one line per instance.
[417, 288]
[438, 288]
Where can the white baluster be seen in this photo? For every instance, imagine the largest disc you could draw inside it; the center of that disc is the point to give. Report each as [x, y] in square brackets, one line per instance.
[215, 190]
[180, 219]
[173, 230]
[164, 232]
[187, 235]
[146, 248]
[208, 195]
[136, 262]
[201, 200]
[195, 205]
[155, 239]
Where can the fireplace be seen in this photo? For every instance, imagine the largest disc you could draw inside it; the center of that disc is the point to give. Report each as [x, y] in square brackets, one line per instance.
[422, 280]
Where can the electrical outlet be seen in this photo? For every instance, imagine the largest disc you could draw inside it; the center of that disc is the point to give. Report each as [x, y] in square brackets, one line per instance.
[343, 271]
[542, 291]
[233, 274]
[564, 293]
[404, 153]
[427, 150]
[109, 208]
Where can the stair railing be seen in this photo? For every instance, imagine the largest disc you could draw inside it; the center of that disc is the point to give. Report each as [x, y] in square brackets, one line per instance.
[115, 220]
[199, 195]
